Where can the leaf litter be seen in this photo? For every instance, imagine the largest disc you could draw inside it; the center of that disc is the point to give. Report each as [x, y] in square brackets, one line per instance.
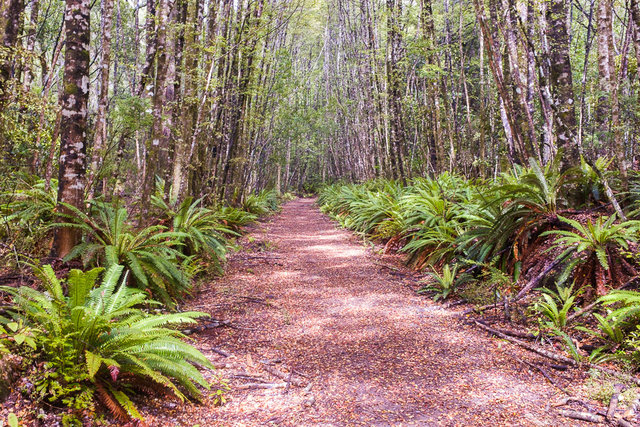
[321, 330]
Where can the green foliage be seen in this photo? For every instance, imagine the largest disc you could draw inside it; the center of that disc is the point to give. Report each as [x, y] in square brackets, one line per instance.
[201, 230]
[97, 340]
[593, 245]
[524, 204]
[555, 306]
[26, 212]
[263, 203]
[152, 255]
[596, 238]
[443, 284]
[234, 218]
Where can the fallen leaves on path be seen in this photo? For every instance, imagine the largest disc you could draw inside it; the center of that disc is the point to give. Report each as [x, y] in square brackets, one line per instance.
[319, 332]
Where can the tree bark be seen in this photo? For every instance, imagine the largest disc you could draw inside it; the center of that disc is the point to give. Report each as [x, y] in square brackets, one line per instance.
[74, 100]
[100, 136]
[156, 147]
[394, 89]
[562, 83]
[13, 24]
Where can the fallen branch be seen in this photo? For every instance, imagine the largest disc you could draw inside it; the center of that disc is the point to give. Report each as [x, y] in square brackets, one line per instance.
[613, 403]
[479, 309]
[624, 423]
[283, 376]
[540, 351]
[583, 416]
[286, 389]
[261, 385]
[536, 280]
[557, 357]
[548, 377]
[594, 304]
[255, 300]
[570, 399]
[615, 373]
[543, 372]
[220, 352]
[633, 409]
[455, 303]
[510, 332]
[248, 377]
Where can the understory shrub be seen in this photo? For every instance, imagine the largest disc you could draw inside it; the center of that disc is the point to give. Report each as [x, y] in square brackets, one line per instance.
[152, 255]
[96, 342]
[501, 234]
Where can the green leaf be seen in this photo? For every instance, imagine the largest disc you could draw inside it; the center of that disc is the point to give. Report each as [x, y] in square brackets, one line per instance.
[80, 283]
[111, 255]
[12, 420]
[13, 326]
[126, 403]
[93, 363]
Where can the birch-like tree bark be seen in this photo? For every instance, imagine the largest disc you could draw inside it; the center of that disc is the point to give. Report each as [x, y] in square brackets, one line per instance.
[73, 134]
[561, 79]
[100, 136]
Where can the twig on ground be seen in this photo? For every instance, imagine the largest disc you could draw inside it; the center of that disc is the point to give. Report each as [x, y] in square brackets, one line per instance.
[510, 332]
[540, 351]
[249, 377]
[261, 385]
[283, 376]
[582, 416]
[286, 389]
[557, 357]
[220, 352]
[613, 403]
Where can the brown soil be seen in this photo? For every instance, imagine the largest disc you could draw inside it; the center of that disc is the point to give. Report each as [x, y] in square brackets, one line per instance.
[365, 349]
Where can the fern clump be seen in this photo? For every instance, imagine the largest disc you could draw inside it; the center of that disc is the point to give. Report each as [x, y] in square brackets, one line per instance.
[152, 255]
[97, 342]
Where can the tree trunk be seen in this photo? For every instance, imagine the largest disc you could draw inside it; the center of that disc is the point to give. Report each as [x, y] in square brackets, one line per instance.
[31, 43]
[100, 136]
[157, 143]
[562, 83]
[394, 89]
[13, 24]
[74, 99]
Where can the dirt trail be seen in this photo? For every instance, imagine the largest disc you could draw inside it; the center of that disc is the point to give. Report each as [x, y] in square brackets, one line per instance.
[318, 301]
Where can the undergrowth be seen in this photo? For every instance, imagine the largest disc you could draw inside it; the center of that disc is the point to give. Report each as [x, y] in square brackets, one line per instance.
[485, 240]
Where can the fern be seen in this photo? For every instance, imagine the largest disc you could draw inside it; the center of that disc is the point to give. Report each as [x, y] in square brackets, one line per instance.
[151, 255]
[102, 330]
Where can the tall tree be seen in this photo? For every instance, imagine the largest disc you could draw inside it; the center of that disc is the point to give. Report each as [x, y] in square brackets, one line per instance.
[394, 89]
[100, 135]
[12, 20]
[73, 134]
[562, 82]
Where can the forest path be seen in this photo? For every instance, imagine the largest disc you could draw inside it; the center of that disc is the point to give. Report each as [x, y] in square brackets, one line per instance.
[316, 300]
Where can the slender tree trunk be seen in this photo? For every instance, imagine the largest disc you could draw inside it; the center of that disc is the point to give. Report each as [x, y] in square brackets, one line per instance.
[31, 44]
[100, 136]
[562, 83]
[13, 24]
[156, 147]
[394, 89]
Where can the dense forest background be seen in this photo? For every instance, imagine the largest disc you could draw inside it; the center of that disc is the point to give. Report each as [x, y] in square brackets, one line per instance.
[220, 98]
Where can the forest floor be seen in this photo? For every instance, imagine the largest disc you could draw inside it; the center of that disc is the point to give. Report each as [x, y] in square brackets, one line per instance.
[305, 297]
